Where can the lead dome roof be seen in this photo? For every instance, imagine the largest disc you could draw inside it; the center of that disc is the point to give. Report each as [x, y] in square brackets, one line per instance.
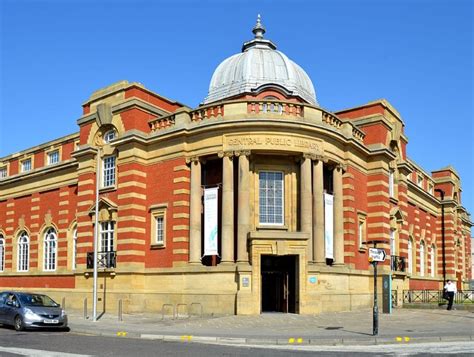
[259, 64]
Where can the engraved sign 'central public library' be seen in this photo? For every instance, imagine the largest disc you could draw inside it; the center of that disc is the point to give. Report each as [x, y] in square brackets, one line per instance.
[253, 142]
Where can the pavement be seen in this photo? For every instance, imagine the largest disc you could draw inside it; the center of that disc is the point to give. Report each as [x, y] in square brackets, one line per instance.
[402, 326]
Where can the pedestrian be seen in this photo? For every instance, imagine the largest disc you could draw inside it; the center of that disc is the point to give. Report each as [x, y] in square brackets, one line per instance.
[450, 289]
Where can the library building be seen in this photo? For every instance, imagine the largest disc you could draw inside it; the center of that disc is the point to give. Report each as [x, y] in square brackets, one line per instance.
[258, 200]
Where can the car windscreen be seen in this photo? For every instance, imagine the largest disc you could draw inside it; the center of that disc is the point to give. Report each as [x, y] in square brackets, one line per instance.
[37, 300]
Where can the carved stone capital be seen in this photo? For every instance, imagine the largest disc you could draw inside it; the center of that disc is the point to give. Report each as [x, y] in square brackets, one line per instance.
[193, 159]
[222, 154]
[242, 153]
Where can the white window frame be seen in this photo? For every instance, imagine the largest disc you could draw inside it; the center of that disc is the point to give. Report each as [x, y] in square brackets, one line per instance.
[110, 135]
[50, 250]
[419, 180]
[160, 231]
[391, 183]
[3, 172]
[2, 253]
[74, 249]
[430, 188]
[433, 260]
[107, 233]
[109, 171]
[422, 258]
[23, 254]
[410, 256]
[53, 157]
[282, 216]
[393, 242]
[24, 166]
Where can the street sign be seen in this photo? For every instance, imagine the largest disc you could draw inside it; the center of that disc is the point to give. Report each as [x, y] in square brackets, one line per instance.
[377, 254]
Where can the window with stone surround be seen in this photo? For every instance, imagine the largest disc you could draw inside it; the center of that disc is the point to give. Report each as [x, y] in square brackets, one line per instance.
[23, 255]
[433, 260]
[422, 258]
[106, 243]
[419, 180]
[108, 172]
[271, 198]
[3, 172]
[410, 256]
[391, 183]
[53, 157]
[110, 135]
[362, 230]
[26, 165]
[158, 225]
[2, 253]
[74, 249]
[50, 250]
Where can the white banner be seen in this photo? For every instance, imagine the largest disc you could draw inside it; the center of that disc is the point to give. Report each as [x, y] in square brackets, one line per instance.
[329, 225]
[210, 221]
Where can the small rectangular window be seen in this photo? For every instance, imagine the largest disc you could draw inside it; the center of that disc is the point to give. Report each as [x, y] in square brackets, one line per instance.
[108, 172]
[430, 189]
[26, 165]
[53, 157]
[160, 231]
[3, 172]
[158, 226]
[420, 180]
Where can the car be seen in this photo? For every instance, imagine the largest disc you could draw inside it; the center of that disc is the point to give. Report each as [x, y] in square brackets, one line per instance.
[24, 310]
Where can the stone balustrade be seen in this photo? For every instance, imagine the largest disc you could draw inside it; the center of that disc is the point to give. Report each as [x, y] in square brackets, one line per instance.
[275, 107]
[206, 112]
[161, 123]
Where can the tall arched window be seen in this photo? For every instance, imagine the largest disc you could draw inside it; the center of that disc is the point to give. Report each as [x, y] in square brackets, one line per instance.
[422, 258]
[50, 249]
[410, 256]
[23, 257]
[2, 253]
[433, 260]
[74, 249]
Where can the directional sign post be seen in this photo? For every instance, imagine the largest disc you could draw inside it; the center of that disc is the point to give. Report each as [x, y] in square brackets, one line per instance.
[376, 255]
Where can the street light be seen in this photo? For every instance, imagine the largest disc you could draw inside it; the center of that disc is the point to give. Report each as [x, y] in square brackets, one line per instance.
[96, 236]
[441, 192]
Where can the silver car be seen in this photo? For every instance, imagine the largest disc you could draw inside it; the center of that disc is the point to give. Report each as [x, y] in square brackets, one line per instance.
[27, 310]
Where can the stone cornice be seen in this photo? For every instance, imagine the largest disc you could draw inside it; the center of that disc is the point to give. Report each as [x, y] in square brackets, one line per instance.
[46, 145]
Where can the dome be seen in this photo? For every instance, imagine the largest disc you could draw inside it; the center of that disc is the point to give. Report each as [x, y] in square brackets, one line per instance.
[258, 65]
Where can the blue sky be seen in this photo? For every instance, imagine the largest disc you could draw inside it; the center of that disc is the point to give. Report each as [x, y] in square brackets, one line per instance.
[418, 54]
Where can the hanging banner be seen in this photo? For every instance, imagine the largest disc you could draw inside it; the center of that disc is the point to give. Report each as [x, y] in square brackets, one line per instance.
[210, 221]
[329, 225]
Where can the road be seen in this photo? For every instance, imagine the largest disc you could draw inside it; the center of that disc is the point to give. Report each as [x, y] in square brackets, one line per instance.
[70, 344]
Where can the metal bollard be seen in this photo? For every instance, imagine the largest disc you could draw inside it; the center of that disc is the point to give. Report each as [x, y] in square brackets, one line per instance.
[63, 303]
[85, 308]
[120, 310]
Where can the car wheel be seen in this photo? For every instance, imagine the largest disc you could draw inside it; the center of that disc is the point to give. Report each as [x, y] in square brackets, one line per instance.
[18, 324]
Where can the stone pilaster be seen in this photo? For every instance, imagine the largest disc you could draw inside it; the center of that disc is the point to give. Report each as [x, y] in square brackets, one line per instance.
[227, 207]
[243, 214]
[195, 213]
[305, 202]
[318, 212]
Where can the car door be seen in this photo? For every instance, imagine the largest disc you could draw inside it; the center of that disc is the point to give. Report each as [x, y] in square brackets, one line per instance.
[10, 308]
[3, 298]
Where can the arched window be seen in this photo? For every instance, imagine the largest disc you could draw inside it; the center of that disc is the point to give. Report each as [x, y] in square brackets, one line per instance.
[50, 249]
[433, 260]
[410, 256]
[74, 249]
[110, 135]
[23, 258]
[422, 258]
[2, 253]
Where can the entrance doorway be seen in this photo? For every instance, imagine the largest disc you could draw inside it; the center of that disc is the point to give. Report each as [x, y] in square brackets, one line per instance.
[279, 283]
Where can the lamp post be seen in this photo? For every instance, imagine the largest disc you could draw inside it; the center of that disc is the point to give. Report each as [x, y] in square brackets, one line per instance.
[441, 192]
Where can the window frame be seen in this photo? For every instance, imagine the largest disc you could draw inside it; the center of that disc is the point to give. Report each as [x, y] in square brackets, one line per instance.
[3, 172]
[391, 183]
[2, 253]
[410, 256]
[74, 249]
[106, 138]
[362, 230]
[23, 162]
[23, 255]
[107, 235]
[50, 250]
[109, 173]
[433, 261]
[49, 155]
[270, 224]
[158, 211]
[422, 258]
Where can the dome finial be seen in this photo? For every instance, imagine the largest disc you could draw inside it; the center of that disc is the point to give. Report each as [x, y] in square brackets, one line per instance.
[258, 29]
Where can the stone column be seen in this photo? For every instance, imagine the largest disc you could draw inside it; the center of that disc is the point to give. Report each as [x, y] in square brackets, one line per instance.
[243, 211]
[195, 213]
[318, 212]
[338, 216]
[305, 202]
[227, 207]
